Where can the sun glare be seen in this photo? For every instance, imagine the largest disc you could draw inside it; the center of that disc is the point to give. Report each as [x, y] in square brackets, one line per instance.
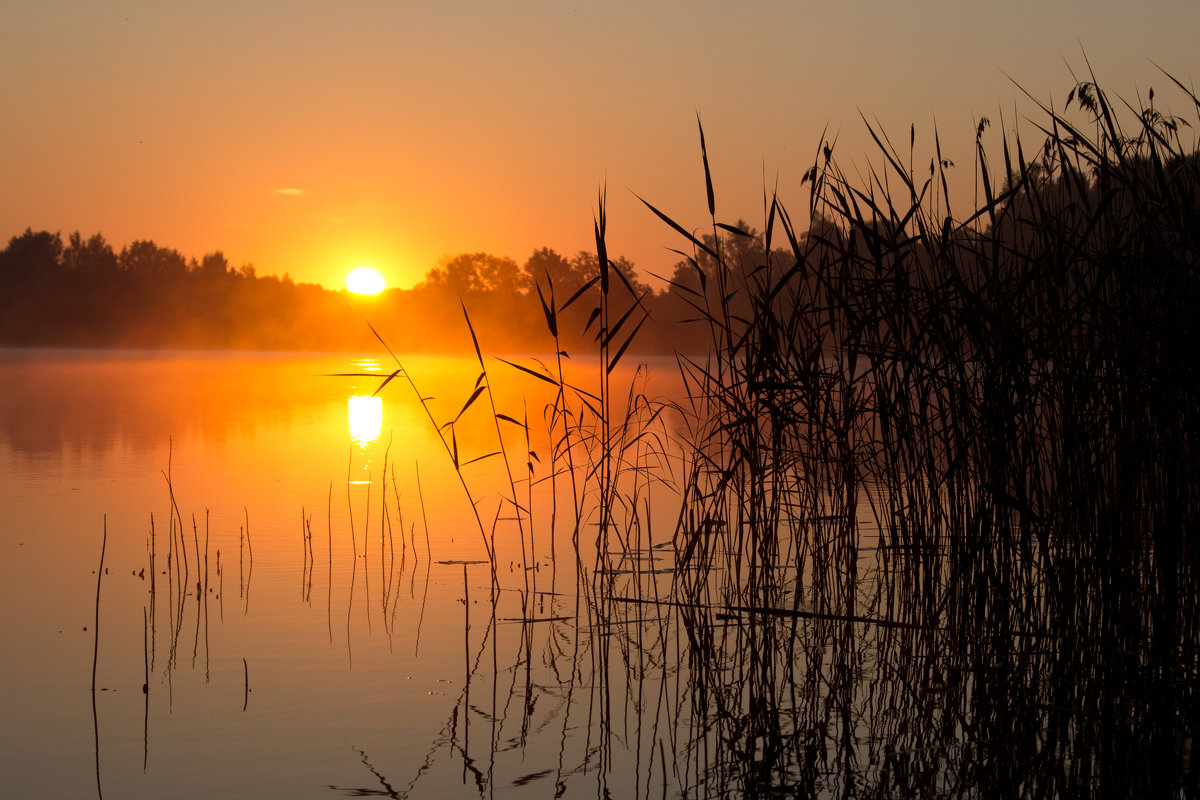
[366, 418]
[365, 280]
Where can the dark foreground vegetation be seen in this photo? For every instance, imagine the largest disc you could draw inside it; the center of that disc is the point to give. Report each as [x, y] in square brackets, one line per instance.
[933, 478]
[937, 479]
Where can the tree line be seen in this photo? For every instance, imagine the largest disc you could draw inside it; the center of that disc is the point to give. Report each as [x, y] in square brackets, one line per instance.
[84, 293]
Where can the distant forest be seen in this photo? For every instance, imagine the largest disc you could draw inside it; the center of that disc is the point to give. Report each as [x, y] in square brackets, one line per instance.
[83, 293]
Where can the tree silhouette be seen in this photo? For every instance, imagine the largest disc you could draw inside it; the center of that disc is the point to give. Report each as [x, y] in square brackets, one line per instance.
[85, 294]
[93, 256]
[471, 273]
[144, 257]
[567, 276]
[30, 255]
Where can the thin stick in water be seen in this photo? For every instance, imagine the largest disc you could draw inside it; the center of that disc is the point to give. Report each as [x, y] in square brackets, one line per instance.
[96, 655]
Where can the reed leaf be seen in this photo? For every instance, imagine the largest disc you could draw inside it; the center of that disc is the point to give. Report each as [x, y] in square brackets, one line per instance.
[540, 376]
[708, 185]
[678, 228]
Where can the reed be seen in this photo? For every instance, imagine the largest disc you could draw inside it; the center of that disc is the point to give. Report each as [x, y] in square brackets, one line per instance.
[1000, 409]
[934, 479]
[965, 443]
[96, 656]
[96, 621]
[445, 432]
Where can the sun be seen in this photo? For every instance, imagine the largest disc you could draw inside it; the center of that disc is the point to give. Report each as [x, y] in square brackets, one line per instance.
[365, 280]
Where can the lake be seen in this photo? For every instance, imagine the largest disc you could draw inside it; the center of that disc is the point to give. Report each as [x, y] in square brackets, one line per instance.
[299, 598]
[296, 642]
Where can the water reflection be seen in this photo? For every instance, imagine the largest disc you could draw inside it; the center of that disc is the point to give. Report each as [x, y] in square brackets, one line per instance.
[693, 662]
[365, 417]
[74, 401]
[368, 364]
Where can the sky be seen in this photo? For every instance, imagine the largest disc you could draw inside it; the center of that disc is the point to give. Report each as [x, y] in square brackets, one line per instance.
[309, 138]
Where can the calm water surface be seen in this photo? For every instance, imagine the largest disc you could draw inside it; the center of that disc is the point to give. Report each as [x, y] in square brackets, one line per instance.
[295, 602]
[309, 646]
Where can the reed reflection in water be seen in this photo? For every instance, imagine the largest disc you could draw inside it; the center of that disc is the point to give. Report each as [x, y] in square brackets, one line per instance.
[688, 662]
[652, 672]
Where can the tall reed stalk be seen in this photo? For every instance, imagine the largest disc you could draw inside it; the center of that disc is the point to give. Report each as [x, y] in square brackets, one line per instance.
[934, 474]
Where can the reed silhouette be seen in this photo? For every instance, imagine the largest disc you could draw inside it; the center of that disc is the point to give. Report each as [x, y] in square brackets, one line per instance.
[930, 488]
[935, 479]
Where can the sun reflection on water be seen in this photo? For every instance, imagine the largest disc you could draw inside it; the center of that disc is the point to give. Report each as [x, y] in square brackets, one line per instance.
[368, 364]
[365, 416]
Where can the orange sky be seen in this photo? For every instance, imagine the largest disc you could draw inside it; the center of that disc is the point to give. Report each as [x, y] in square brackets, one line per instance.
[311, 137]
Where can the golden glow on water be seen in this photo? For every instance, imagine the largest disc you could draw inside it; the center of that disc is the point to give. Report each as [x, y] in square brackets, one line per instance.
[368, 364]
[365, 417]
[85, 440]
